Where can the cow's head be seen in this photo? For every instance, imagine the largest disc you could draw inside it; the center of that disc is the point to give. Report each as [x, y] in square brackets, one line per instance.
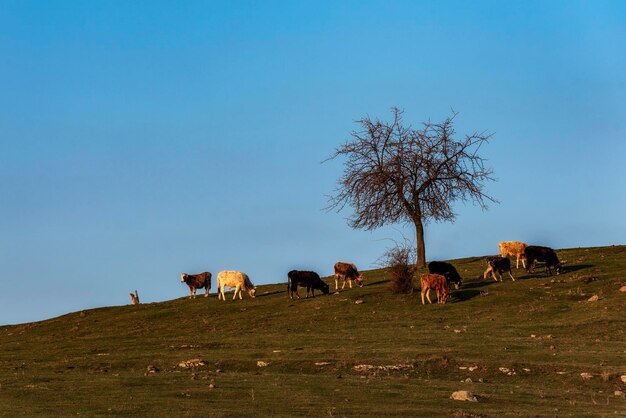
[252, 292]
[359, 280]
[183, 277]
[324, 287]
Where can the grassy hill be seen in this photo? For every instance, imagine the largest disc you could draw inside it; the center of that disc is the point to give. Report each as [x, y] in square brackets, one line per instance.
[520, 346]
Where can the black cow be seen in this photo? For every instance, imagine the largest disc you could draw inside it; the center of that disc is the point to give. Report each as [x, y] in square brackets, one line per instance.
[447, 270]
[197, 281]
[309, 279]
[534, 253]
[497, 264]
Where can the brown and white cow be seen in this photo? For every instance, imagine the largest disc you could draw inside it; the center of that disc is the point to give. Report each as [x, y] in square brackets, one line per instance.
[438, 283]
[197, 281]
[240, 281]
[514, 248]
[349, 272]
[499, 265]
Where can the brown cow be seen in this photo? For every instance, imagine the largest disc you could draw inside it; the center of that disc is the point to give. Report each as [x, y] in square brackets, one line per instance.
[436, 282]
[349, 272]
[197, 281]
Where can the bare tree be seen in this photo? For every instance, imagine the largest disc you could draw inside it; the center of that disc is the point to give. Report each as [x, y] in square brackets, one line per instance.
[394, 173]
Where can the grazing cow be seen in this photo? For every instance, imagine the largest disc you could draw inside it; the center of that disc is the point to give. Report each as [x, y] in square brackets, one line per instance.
[197, 281]
[240, 281]
[436, 282]
[134, 299]
[514, 248]
[534, 253]
[499, 265]
[349, 272]
[447, 270]
[309, 279]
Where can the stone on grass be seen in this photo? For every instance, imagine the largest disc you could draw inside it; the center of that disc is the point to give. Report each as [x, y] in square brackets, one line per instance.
[463, 395]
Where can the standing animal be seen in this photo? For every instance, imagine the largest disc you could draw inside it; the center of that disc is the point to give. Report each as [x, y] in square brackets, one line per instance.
[240, 281]
[447, 270]
[197, 281]
[134, 299]
[349, 272]
[534, 253]
[514, 248]
[436, 282]
[497, 264]
[309, 279]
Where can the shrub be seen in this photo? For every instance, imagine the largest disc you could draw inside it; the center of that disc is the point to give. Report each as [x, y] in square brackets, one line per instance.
[401, 269]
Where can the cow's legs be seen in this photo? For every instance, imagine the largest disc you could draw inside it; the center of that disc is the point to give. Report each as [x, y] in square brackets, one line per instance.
[486, 273]
[427, 291]
[206, 292]
[336, 282]
[350, 283]
[511, 274]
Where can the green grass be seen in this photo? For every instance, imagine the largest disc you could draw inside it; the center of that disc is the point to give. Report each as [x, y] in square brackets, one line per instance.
[93, 363]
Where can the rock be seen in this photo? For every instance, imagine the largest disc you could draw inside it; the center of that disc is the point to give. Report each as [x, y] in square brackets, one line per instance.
[463, 395]
[472, 368]
[194, 362]
[618, 393]
[622, 289]
[322, 363]
[594, 298]
[623, 377]
[261, 363]
[151, 370]
[359, 301]
[211, 385]
[468, 380]
[586, 376]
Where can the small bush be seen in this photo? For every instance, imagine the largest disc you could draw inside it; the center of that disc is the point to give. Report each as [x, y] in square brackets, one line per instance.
[401, 269]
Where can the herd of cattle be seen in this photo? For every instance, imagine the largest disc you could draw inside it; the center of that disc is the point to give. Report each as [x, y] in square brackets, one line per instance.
[441, 275]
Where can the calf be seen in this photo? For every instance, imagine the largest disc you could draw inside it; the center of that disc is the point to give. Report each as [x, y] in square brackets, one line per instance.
[309, 279]
[499, 265]
[197, 281]
[134, 299]
[240, 281]
[447, 270]
[514, 248]
[436, 282]
[349, 272]
[534, 253]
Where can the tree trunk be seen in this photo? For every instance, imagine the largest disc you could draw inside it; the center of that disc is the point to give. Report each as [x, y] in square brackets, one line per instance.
[419, 240]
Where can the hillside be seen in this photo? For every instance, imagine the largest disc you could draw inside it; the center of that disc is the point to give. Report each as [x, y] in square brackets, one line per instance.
[520, 346]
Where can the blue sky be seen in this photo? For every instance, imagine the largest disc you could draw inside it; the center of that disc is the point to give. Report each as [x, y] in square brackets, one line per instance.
[140, 140]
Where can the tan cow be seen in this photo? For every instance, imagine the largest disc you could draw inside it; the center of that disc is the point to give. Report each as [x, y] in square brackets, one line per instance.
[436, 282]
[240, 281]
[349, 272]
[514, 248]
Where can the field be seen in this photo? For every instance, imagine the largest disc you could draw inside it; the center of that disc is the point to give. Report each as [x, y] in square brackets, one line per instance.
[519, 346]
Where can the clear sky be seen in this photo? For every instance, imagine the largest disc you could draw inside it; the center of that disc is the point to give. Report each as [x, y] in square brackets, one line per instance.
[140, 140]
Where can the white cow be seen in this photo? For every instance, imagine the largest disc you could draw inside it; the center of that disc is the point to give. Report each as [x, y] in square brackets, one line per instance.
[240, 281]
